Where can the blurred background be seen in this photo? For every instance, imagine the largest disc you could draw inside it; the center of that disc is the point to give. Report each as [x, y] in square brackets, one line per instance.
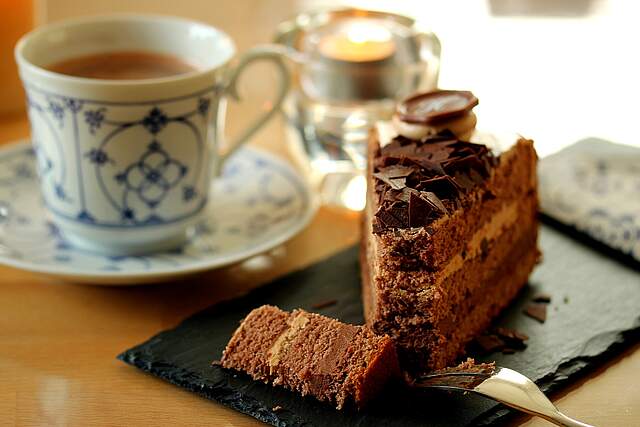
[555, 71]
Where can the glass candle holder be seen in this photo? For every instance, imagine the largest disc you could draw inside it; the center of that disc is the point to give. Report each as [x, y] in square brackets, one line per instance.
[353, 66]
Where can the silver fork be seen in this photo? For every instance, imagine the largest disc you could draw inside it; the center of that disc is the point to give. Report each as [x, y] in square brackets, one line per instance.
[503, 385]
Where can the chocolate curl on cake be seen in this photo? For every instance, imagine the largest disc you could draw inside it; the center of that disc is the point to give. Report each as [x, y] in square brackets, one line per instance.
[422, 181]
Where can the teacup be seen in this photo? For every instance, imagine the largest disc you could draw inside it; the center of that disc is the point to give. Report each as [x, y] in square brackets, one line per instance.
[126, 165]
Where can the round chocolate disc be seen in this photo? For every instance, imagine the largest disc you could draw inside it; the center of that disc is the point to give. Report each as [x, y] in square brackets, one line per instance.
[436, 106]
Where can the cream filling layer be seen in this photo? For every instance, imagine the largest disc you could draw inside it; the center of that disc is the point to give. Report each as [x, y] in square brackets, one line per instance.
[283, 342]
[502, 220]
[497, 142]
[462, 127]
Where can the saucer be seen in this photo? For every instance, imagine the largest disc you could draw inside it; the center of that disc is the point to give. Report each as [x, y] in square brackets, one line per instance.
[260, 202]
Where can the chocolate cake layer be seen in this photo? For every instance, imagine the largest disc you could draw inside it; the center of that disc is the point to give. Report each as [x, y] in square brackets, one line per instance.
[313, 355]
[433, 288]
[476, 294]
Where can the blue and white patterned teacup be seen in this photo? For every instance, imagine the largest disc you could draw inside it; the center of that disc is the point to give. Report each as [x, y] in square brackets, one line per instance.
[125, 165]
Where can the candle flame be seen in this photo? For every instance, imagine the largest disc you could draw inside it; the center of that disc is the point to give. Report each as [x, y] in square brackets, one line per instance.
[364, 32]
[359, 42]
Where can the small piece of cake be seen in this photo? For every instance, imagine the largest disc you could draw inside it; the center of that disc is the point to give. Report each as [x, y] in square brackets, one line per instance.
[312, 355]
[449, 238]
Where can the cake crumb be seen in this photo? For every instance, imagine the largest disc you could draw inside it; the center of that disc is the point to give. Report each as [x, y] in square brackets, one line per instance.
[489, 343]
[512, 337]
[542, 297]
[502, 339]
[324, 304]
[277, 408]
[536, 311]
[566, 299]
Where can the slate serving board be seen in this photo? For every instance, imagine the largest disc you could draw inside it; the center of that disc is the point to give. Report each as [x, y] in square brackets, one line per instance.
[594, 313]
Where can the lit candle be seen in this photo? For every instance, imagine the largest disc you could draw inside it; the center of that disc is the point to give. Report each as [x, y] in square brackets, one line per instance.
[353, 60]
[358, 41]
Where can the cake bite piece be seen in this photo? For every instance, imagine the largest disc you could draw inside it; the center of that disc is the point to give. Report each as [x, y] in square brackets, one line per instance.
[312, 355]
[449, 237]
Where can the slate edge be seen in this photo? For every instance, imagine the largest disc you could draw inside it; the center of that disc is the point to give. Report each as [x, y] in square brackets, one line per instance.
[571, 369]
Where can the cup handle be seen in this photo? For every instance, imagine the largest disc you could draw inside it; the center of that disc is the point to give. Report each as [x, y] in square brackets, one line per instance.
[271, 53]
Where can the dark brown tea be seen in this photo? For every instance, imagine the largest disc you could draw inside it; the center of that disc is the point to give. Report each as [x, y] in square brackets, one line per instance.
[124, 65]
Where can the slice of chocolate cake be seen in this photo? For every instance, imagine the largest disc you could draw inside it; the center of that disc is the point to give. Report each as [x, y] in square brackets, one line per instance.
[312, 355]
[449, 238]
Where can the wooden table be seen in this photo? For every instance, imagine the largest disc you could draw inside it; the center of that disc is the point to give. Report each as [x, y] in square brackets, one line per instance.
[58, 341]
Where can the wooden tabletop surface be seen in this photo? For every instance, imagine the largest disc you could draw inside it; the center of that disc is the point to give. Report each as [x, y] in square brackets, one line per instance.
[58, 341]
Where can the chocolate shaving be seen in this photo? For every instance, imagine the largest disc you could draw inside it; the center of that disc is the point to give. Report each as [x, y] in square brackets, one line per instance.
[431, 167]
[420, 211]
[418, 182]
[465, 164]
[443, 186]
[536, 311]
[435, 201]
[394, 183]
[542, 297]
[397, 171]
[324, 304]
[500, 339]
[489, 343]
[475, 177]
[463, 181]
[388, 220]
[394, 216]
[378, 226]
[512, 337]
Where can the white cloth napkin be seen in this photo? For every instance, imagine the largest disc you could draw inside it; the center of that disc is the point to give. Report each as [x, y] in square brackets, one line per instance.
[594, 186]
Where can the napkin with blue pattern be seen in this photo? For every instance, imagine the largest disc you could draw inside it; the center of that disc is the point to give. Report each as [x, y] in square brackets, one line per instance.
[594, 186]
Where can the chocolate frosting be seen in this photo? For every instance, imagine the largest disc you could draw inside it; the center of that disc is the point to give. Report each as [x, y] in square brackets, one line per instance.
[417, 182]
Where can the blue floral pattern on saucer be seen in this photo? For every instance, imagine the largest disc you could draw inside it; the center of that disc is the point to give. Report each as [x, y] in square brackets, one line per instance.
[259, 202]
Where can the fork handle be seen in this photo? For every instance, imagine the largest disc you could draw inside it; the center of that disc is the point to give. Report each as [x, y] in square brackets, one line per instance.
[515, 390]
[561, 419]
